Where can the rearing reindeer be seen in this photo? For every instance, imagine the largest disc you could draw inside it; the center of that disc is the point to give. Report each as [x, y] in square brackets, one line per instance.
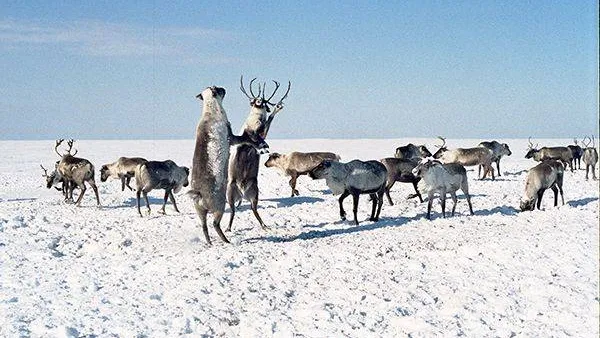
[244, 159]
[75, 171]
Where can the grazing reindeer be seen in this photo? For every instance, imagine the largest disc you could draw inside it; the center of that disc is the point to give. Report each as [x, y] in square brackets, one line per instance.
[76, 171]
[412, 152]
[244, 159]
[498, 150]
[466, 157]
[160, 175]
[296, 164]
[211, 156]
[562, 154]
[354, 178]
[442, 178]
[123, 169]
[548, 174]
[55, 179]
[590, 157]
[577, 154]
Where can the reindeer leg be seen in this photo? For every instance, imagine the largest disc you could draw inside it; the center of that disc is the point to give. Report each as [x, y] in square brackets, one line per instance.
[443, 201]
[127, 180]
[145, 193]
[355, 196]
[232, 196]
[137, 195]
[453, 196]
[540, 193]
[498, 167]
[82, 187]
[479, 171]
[555, 191]
[172, 197]
[252, 193]
[341, 202]
[429, 203]
[95, 188]
[162, 210]
[293, 184]
[122, 182]
[202, 214]
[217, 224]
[374, 207]
[417, 193]
[379, 205]
[387, 191]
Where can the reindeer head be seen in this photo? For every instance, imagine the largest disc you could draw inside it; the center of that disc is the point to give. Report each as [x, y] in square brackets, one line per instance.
[321, 170]
[51, 179]
[441, 148]
[216, 92]
[259, 101]
[531, 149]
[425, 165]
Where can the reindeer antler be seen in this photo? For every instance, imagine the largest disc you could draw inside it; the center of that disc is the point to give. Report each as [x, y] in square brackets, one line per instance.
[443, 140]
[275, 91]
[45, 171]
[56, 145]
[531, 146]
[70, 144]
[284, 95]
[586, 144]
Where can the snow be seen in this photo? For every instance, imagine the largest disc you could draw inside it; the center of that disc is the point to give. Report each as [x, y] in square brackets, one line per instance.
[71, 271]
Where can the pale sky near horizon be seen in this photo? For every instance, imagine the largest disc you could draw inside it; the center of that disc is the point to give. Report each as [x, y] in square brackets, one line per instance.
[461, 69]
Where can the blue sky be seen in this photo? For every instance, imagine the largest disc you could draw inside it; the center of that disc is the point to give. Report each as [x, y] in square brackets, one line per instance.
[461, 69]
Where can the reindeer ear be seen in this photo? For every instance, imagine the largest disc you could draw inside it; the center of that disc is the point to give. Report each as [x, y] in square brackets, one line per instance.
[199, 96]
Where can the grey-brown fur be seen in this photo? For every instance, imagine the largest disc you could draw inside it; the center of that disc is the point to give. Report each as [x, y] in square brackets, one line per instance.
[400, 170]
[76, 171]
[499, 150]
[548, 174]
[467, 157]
[577, 154]
[244, 160]
[442, 178]
[54, 179]
[123, 169]
[412, 152]
[354, 178]
[562, 154]
[590, 158]
[296, 164]
[210, 161]
[166, 175]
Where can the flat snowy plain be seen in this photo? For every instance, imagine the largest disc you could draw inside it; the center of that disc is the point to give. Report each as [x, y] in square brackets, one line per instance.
[85, 271]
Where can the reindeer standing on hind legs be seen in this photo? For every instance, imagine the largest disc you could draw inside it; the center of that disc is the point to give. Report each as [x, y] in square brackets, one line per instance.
[244, 159]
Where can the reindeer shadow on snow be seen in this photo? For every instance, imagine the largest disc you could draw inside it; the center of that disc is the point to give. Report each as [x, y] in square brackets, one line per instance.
[582, 202]
[384, 222]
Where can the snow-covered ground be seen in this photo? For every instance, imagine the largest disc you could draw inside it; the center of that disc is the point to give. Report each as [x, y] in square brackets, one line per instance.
[89, 271]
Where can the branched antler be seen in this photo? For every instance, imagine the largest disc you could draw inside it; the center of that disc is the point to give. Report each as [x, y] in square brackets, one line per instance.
[56, 145]
[45, 171]
[443, 142]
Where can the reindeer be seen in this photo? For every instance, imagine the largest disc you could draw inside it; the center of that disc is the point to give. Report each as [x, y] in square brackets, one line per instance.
[498, 149]
[412, 152]
[442, 178]
[123, 169]
[244, 159]
[562, 154]
[466, 157]
[577, 154]
[76, 171]
[54, 179]
[211, 156]
[590, 156]
[166, 175]
[546, 175]
[296, 164]
[354, 178]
